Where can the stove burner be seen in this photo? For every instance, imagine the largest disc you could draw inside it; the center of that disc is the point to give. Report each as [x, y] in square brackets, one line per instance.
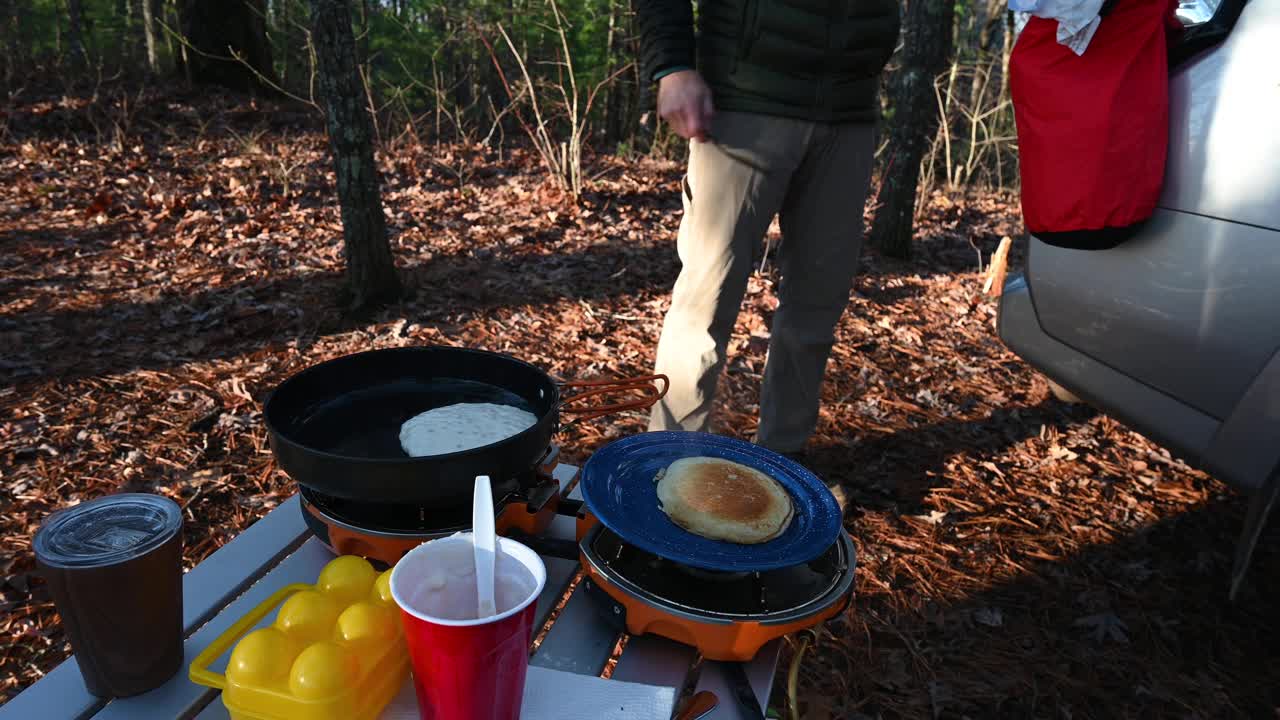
[768, 596]
[715, 576]
[384, 531]
[410, 519]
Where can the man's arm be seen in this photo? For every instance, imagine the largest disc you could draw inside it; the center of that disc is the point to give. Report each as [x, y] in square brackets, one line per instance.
[667, 55]
[666, 36]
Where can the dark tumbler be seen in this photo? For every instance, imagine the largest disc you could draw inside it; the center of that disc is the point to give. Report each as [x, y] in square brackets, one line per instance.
[114, 567]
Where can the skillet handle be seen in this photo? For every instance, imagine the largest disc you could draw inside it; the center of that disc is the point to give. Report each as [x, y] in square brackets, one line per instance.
[647, 385]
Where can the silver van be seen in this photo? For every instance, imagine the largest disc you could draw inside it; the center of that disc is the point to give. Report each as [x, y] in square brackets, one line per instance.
[1175, 331]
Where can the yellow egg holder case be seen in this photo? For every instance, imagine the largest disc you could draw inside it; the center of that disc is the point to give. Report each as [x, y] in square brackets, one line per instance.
[335, 652]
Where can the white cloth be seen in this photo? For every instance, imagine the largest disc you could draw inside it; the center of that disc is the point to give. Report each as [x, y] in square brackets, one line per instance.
[1077, 19]
[1019, 21]
[559, 695]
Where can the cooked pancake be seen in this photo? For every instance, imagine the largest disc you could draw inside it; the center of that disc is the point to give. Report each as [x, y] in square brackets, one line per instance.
[462, 426]
[723, 500]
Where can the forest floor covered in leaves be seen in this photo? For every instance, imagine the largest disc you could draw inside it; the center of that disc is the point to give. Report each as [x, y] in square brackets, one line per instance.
[1017, 557]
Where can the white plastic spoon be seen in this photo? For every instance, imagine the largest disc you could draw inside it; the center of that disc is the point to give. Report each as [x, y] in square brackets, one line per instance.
[485, 542]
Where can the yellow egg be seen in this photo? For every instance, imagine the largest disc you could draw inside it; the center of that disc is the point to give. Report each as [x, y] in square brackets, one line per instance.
[347, 579]
[382, 589]
[308, 616]
[365, 622]
[321, 671]
[262, 657]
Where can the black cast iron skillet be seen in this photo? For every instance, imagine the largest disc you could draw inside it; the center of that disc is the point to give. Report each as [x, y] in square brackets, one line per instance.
[335, 427]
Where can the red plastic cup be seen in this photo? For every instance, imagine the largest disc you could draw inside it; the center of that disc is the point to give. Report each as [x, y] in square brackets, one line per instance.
[467, 669]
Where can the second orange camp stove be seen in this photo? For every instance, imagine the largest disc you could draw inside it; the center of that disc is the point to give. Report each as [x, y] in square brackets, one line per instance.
[727, 616]
[384, 532]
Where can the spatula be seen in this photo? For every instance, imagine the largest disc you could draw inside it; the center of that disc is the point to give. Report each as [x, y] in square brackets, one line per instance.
[484, 541]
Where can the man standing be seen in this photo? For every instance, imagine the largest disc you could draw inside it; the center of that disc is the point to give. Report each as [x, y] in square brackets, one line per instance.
[780, 99]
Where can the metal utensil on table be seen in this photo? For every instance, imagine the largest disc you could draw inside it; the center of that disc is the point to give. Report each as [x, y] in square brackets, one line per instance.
[699, 705]
[743, 691]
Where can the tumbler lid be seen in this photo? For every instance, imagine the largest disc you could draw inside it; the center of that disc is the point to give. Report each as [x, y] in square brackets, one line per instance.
[107, 531]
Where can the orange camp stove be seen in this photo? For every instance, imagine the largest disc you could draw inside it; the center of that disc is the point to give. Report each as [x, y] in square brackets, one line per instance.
[727, 616]
[384, 532]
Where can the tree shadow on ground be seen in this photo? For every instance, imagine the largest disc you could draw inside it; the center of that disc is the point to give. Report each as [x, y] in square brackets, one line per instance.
[900, 468]
[174, 326]
[1098, 632]
[872, 287]
[1101, 633]
[665, 196]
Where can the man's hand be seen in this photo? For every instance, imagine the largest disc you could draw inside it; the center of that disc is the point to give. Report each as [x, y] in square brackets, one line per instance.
[684, 101]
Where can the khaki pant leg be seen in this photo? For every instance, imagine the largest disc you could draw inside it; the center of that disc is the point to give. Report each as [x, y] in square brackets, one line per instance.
[821, 221]
[734, 186]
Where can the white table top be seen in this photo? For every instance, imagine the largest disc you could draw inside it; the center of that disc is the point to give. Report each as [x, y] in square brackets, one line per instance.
[278, 550]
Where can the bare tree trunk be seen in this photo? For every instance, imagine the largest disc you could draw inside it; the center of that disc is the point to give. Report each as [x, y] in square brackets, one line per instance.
[455, 67]
[57, 30]
[125, 43]
[976, 39]
[229, 43]
[178, 15]
[149, 34]
[169, 16]
[75, 42]
[364, 36]
[623, 91]
[9, 39]
[371, 271]
[988, 19]
[926, 47]
[611, 126]
[135, 39]
[635, 99]
[284, 30]
[645, 129]
[1005, 50]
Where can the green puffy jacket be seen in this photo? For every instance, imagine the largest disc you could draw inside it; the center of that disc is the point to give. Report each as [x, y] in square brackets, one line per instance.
[810, 59]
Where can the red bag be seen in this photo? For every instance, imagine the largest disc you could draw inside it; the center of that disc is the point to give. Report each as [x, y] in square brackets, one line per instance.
[1093, 129]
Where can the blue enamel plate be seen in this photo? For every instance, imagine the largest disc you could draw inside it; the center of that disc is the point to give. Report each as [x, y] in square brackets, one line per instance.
[618, 486]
